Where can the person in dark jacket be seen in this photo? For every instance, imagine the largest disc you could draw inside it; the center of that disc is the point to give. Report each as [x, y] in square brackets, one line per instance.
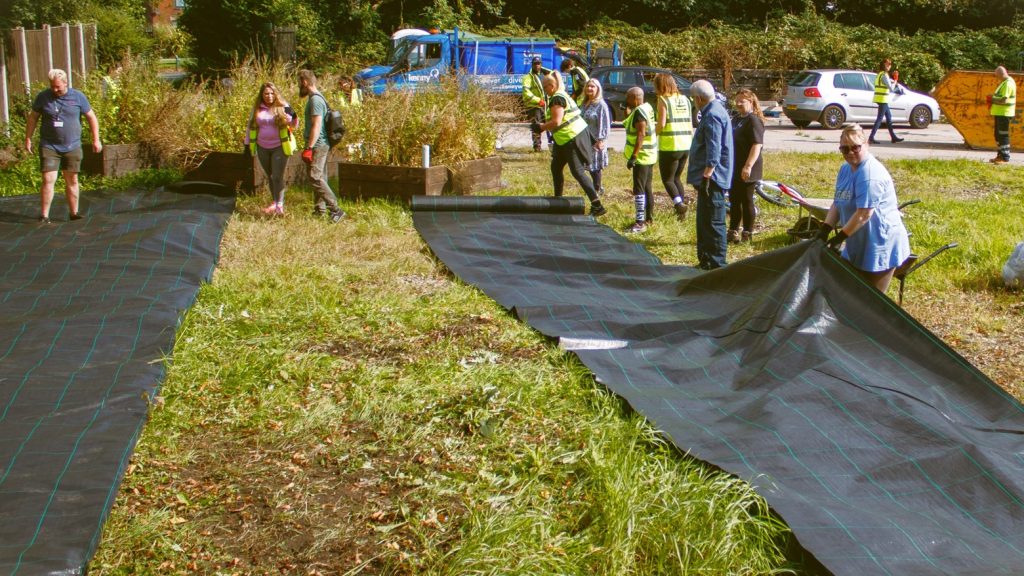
[710, 172]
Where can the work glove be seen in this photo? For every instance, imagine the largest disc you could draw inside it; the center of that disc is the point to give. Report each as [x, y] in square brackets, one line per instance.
[988, 99]
[837, 240]
[307, 155]
[631, 162]
[535, 127]
[823, 232]
[896, 76]
[542, 104]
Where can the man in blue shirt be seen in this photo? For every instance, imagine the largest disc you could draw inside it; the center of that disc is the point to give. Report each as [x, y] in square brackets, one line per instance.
[60, 139]
[710, 172]
[317, 149]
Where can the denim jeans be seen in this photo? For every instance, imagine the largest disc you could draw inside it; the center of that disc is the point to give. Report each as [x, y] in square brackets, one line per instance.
[711, 239]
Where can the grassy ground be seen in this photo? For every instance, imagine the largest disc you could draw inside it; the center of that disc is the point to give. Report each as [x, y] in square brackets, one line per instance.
[337, 403]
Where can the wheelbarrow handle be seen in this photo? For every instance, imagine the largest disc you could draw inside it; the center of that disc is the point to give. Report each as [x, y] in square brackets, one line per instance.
[925, 260]
[908, 203]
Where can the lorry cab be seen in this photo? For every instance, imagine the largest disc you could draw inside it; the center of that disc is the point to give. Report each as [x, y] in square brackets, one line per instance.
[422, 59]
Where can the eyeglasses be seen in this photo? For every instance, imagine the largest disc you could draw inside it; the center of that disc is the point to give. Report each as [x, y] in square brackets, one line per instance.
[847, 149]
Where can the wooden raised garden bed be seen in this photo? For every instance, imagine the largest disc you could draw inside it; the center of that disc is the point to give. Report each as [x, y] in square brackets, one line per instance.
[115, 159]
[373, 181]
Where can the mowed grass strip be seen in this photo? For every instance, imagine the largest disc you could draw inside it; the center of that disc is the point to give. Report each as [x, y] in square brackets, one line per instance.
[338, 403]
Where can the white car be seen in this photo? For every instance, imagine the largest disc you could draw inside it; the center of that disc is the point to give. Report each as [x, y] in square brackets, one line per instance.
[835, 97]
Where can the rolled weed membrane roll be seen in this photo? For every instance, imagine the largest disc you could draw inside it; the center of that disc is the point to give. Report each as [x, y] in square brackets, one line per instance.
[503, 204]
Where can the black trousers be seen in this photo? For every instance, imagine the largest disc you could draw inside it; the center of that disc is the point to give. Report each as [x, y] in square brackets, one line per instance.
[671, 166]
[562, 154]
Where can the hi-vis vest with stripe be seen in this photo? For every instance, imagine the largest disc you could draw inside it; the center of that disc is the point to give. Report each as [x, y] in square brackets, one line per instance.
[287, 139]
[533, 90]
[1008, 90]
[648, 153]
[572, 121]
[882, 93]
[677, 134]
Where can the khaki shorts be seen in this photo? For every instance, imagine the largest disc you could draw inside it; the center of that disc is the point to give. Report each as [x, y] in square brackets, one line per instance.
[51, 161]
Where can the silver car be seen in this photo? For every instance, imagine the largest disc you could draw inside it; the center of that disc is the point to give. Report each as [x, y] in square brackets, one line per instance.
[834, 97]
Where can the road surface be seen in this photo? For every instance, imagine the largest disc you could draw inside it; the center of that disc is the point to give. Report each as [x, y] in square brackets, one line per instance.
[940, 141]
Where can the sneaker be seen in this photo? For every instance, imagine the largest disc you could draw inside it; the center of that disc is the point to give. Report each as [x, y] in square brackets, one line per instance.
[681, 210]
[279, 210]
[733, 237]
[637, 228]
[598, 210]
[337, 215]
[999, 161]
[44, 219]
[746, 236]
[272, 209]
[872, 141]
[897, 140]
[73, 217]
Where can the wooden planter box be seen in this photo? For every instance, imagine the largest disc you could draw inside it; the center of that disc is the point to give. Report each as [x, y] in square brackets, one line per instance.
[241, 172]
[115, 159]
[373, 181]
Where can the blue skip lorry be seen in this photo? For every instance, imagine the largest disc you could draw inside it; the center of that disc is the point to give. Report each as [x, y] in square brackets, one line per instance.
[498, 64]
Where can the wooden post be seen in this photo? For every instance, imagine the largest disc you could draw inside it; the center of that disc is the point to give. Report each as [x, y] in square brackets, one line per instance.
[67, 51]
[4, 103]
[49, 47]
[26, 75]
[81, 49]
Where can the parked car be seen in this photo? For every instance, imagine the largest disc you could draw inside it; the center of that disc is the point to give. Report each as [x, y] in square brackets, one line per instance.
[616, 80]
[834, 97]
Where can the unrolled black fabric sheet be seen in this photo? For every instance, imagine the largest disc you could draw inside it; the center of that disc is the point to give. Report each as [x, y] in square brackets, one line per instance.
[884, 450]
[87, 311]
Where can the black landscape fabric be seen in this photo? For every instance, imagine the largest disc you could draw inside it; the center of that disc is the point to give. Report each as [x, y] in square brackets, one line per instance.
[883, 449]
[87, 311]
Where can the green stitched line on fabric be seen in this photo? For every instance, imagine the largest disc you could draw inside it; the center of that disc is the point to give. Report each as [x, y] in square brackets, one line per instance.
[17, 391]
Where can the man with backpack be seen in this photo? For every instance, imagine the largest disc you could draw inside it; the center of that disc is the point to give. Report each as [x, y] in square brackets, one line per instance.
[317, 147]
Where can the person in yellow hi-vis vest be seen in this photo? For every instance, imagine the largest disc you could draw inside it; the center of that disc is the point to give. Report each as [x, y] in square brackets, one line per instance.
[534, 99]
[352, 95]
[675, 133]
[573, 143]
[270, 137]
[884, 89]
[641, 153]
[1002, 107]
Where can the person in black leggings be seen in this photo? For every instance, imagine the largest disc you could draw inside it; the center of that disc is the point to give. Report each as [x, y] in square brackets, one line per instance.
[748, 138]
[675, 132]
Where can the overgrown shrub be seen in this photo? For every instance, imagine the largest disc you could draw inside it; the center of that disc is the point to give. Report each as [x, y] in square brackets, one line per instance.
[455, 117]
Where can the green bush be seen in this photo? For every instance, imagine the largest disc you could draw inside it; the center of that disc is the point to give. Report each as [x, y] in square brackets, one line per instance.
[455, 118]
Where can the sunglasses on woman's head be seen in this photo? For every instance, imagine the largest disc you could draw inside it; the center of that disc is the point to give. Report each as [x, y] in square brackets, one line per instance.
[847, 149]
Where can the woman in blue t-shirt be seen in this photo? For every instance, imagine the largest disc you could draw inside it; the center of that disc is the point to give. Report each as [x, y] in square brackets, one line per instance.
[865, 213]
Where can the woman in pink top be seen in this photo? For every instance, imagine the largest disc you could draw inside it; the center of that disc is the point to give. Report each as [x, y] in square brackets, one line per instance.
[271, 139]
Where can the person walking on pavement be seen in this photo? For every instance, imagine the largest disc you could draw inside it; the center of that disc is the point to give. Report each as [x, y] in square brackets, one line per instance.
[575, 80]
[317, 149]
[1002, 107]
[884, 88]
[60, 139]
[675, 133]
[710, 172]
[572, 142]
[641, 153]
[534, 98]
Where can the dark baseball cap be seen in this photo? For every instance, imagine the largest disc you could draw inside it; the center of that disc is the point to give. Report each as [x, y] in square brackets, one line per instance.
[536, 60]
